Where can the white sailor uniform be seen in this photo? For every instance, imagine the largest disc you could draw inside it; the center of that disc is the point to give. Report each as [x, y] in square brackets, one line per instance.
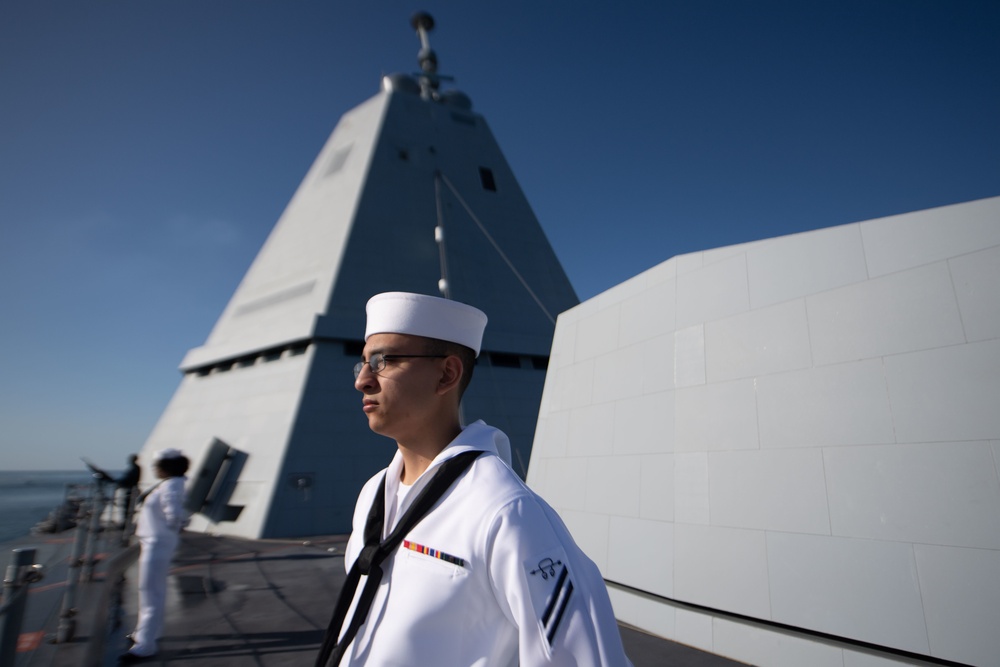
[491, 576]
[160, 521]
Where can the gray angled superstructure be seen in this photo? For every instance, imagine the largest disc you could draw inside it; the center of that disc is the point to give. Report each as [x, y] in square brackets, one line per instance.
[410, 187]
[806, 470]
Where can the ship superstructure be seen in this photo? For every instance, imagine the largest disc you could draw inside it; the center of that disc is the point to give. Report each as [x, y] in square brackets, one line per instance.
[411, 192]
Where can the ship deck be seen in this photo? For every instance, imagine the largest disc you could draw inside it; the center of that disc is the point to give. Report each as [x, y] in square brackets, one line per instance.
[231, 601]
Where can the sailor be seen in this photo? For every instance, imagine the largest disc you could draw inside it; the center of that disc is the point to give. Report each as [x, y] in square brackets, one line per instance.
[453, 560]
[124, 485]
[161, 518]
[127, 485]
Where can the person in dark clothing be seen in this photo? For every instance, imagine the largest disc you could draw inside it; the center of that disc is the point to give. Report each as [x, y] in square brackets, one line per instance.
[125, 486]
[128, 485]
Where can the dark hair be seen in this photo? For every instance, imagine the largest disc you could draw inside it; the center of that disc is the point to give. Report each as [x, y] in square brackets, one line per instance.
[174, 466]
[465, 354]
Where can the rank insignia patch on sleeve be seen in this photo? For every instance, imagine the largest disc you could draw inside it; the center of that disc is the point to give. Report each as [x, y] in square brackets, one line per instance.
[551, 589]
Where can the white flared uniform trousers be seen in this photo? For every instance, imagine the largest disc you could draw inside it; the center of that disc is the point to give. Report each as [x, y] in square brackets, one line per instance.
[154, 564]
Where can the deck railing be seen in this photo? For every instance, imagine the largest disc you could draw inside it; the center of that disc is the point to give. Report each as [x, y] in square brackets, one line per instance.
[93, 525]
[21, 573]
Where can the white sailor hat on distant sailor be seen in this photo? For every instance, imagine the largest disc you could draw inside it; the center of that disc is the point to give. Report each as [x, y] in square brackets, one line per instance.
[169, 453]
[428, 316]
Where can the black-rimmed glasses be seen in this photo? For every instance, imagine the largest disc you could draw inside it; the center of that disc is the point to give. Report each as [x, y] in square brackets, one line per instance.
[378, 361]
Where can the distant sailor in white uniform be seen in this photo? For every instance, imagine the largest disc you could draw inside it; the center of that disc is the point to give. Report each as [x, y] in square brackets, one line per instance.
[452, 559]
[161, 518]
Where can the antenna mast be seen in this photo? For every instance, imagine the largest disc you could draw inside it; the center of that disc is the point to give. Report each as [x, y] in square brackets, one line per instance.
[430, 81]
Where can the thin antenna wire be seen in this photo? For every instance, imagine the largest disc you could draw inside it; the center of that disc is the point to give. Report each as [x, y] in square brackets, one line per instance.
[497, 248]
[443, 285]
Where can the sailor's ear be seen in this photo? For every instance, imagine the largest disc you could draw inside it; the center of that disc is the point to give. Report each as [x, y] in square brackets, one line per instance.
[451, 374]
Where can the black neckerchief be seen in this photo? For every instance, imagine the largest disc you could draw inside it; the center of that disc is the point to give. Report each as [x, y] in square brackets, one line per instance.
[145, 494]
[375, 551]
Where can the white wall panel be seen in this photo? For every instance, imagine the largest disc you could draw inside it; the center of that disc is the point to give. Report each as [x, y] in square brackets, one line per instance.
[844, 404]
[656, 487]
[691, 499]
[689, 356]
[801, 264]
[640, 611]
[861, 658]
[655, 540]
[690, 262]
[552, 435]
[902, 312]
[591, 431]
[913, 493]
[946, 394]
[771, 649]
[715, 291]
[574, 385]
[616, 374]
[767, 340]
[651, 313]
[976, 277]
[693, 629]
[725, 568]
[701, 426]
[612, 485]
[598, 333]
[903, 241]
[657, 363]
[645, 425]
[961, 584]
[769, 490]
[851, 588]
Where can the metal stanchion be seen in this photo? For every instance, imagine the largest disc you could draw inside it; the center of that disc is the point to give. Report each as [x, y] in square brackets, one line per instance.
[67, 616]
[111, 599]
[96, 528]
[129, 511]
[21, 572]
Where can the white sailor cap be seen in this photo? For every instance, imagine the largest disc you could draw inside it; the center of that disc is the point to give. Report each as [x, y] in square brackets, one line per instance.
[169, 453]
[428, 316]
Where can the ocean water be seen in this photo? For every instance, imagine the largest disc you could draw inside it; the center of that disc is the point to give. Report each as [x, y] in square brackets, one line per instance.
[27, 497]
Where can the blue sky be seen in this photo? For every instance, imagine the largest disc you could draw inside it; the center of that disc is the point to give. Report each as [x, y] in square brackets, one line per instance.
[147, 148]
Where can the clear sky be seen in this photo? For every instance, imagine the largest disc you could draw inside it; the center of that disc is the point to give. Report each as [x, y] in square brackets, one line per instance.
[147, 148]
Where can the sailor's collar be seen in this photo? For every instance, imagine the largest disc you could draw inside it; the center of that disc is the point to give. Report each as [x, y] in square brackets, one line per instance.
[477, 436]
